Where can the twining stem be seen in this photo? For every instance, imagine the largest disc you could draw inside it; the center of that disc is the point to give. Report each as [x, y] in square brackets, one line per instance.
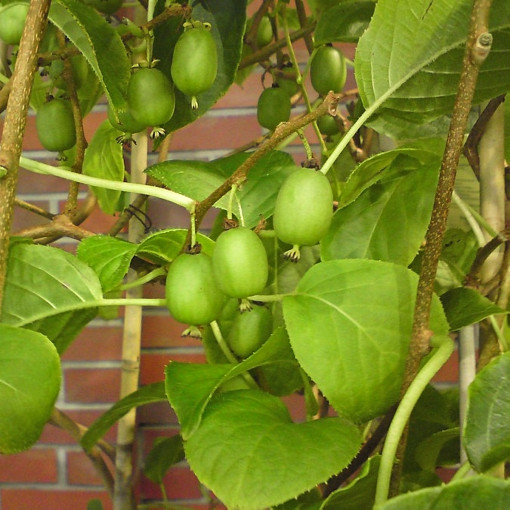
[15, 122]
[130, 187]
[398, 424]
[477, 48]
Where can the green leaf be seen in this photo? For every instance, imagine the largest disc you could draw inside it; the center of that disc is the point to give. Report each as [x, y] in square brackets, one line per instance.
[465, 306]
[104, 159]
[407, 63]
[94, 504]
[360, 493]
[263, 445]
[345, 22]
[99, 42]
[165, 452]
[487, 430]
[255, 198]
[349, 323]
[190, 386]
[47, 290]
[427, 452]
[109, 257]
[29, 385]
[470, 494]
[165, 245]
[145, 395]
[227, 19]
[388, 221]
[373, 169]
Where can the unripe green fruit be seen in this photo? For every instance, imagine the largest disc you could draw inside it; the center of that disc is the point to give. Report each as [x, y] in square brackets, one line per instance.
[250, 329]
[194, 62]
[125, 123]
[54, 123]
[327, 125]
[273, 107]
[264, 31]
[240, 263]
[12, 22]
[304, 208]
[328, 70]
[192, 295]
[150, 97]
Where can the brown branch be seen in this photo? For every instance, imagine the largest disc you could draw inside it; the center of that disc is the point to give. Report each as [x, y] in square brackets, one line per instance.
[281, 132]
[60, 226]
[61, 420]
[470, 149]
[15, 121]
[477, 48]
[265, 52]
[34, 209]
[81, 142]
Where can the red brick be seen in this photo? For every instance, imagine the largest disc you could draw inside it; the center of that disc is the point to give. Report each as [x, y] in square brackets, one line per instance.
[37, 465]
[163, 331]
[153, 365]
[96, 344]
[45, 499]
[80, 470]
[450, 370]
[92, 385]
[217, 133]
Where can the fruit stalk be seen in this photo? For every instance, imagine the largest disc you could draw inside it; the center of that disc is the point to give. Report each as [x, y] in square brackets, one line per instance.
[15, 121]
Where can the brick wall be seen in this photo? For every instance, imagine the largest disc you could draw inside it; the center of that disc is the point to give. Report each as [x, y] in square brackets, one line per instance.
[55, 474]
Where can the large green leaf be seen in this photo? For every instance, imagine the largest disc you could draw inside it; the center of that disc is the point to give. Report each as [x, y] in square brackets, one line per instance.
[345, 22]
[410, 65]
[104, 159]
[29, 386]
[254, 200]
[145, 395]
[247, 441]
[465, 306]
[388, 221]
[470, 494]
[99, 42]
[47, 290]
[190, 386]
[487, 431]
[350, 323]
[227, 19]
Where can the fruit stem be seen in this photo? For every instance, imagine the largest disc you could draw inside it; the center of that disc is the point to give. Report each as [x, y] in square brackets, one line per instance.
[142, 189]
[231, 196]
[267, 298]
[144, 279]
[306, 145]
[406, 406]
[229, 354]
[299, 78]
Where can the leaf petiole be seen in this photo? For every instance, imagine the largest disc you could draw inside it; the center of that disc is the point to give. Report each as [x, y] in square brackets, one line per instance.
[142, 189]
[404, 410]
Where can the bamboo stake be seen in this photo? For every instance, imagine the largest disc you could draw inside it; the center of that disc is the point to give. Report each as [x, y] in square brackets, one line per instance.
[131, 345]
